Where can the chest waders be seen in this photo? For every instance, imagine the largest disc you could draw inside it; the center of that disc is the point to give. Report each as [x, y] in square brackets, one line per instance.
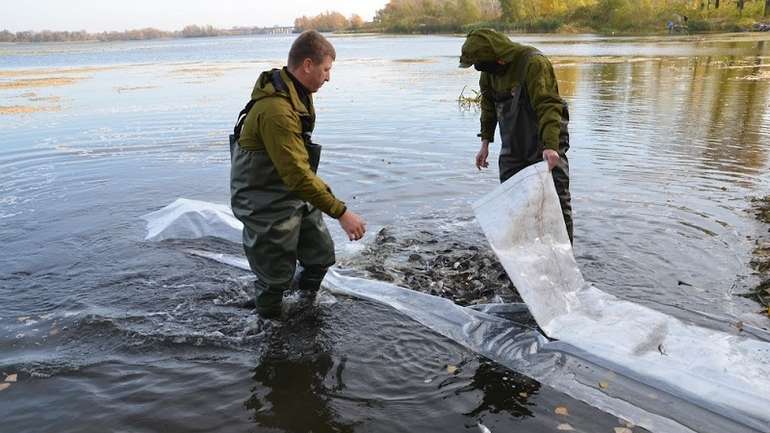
[279, 228]
[521, 143]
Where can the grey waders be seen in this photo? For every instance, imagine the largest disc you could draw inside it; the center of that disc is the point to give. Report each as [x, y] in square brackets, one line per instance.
[279, 229]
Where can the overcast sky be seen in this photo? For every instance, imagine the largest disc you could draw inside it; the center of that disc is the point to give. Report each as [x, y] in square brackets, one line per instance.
[101, 15]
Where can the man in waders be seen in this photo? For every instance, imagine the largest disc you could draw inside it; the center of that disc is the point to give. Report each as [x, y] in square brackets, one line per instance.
[275, 191]
[519, 92]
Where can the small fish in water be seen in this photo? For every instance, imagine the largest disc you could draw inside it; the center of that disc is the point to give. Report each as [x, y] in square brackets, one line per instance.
[483, 428]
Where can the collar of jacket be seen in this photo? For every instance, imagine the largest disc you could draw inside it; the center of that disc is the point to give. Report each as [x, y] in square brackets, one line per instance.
[296, 102]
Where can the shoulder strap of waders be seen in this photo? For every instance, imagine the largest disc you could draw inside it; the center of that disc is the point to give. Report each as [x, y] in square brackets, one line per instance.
[242, 118]
[277, 83]
[281, 86]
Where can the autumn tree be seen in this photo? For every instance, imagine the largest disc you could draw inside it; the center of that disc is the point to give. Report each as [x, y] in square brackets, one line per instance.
[328, 21]
[356, 22]
[509, 9]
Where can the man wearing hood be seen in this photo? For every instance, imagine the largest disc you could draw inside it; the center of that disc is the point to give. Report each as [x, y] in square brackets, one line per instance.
[519, 92]
[275, 190]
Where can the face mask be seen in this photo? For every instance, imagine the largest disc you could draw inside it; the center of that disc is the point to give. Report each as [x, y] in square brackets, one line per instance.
[490, 67]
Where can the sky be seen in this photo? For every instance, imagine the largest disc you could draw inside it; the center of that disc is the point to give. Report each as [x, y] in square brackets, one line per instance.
[104, 15]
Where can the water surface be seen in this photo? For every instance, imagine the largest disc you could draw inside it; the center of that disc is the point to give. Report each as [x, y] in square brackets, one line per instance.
[107, 332]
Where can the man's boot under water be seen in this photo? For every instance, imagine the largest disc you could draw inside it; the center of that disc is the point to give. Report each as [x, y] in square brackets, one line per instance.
[268, 299]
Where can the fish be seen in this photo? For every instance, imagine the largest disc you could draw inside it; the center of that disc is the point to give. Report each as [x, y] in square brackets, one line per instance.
[483, 428]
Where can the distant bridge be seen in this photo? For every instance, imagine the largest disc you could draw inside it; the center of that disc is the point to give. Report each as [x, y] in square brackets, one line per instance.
[278, 30]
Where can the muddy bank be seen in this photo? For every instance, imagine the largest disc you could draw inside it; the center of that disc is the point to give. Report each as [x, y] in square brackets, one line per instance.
[760, 261]
[439, 263]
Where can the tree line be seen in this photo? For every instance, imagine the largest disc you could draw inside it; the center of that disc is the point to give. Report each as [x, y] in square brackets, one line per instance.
[191, 31]
[437, 16]
[428, 16]
[329, 21]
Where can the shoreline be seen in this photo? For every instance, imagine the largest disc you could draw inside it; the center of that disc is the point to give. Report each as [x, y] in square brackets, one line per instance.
[565, 30]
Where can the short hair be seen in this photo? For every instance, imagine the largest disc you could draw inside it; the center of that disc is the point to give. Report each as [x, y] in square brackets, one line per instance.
[310, 45]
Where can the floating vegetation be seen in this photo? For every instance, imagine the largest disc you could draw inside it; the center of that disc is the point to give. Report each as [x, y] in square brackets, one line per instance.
[762, 75]
[471, 101]
[45, 98]
[53, 71]
[414, 61]
[563, 61]
[39, 82]
[26, 109]
[201, 71]
[121, 89]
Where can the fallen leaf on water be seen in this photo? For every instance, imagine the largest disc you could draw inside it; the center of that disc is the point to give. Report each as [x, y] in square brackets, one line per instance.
[561, 410]
[3, 386]
[622, 430]
[603, 385]
[451, 369]
[11, 378]
[565, 427]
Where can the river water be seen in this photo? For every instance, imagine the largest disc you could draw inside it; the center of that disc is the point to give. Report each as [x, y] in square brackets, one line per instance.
[107, 332]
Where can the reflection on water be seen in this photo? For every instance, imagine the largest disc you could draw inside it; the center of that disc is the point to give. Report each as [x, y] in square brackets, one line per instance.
[502, 391]
[669, 141]
[290, 392]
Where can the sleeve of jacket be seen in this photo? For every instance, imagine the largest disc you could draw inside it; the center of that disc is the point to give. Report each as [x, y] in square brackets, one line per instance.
[282, 137]
[488, 112]
[544, 95]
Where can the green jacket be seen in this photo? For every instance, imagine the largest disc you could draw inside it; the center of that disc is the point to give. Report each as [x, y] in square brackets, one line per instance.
[488, 45]
[274, 125]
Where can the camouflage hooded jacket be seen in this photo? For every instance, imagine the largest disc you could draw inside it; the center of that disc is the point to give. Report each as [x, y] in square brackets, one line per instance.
[486, 45]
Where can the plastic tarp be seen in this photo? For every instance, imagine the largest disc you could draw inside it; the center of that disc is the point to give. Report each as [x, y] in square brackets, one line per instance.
[641, 365]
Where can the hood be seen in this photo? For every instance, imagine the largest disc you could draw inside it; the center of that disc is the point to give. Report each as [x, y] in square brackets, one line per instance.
[264, 87]
[487, 45]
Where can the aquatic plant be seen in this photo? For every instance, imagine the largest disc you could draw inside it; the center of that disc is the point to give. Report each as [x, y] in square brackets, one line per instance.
[468, 102]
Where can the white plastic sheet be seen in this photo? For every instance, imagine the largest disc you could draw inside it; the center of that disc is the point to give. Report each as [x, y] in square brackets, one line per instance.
[728, 373]
[193, 219]
[641, 365]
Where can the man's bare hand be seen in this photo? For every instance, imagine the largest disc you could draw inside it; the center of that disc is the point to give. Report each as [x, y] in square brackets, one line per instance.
[551, 157]
[481, 157]
[353, 224]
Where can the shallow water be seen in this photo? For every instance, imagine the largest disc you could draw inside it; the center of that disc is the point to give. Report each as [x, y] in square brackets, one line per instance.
[668, 143]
